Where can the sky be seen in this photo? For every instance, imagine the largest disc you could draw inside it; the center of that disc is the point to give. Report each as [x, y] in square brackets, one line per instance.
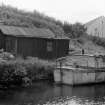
[65, 10]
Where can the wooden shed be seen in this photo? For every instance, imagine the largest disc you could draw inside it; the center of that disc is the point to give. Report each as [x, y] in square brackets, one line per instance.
[35, 42]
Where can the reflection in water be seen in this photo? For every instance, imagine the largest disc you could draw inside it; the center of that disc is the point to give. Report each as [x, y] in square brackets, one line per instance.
[44, 93]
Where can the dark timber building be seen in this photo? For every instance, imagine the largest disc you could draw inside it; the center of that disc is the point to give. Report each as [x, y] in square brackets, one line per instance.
[36, 42]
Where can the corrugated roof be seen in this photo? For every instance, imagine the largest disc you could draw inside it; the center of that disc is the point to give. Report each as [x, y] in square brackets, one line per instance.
[62, 37]
[26, 32]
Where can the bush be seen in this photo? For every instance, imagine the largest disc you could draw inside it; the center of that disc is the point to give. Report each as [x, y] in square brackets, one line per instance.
[38, 69]
[98, 40]
[22, 71]
[11, 73]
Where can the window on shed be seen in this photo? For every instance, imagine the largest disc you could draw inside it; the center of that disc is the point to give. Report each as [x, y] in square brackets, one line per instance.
[49, 46]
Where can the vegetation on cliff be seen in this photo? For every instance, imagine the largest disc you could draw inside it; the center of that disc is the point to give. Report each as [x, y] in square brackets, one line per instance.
[74, 30]
[16, 17]
[13, 16]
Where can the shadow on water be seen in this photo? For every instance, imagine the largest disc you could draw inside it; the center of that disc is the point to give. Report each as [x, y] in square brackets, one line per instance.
[50, 94]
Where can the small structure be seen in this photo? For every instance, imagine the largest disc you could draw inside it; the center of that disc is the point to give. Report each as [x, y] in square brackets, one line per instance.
[35, 42]
[80, 69]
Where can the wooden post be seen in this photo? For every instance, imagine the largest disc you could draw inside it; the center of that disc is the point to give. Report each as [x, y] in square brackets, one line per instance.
[61, 72]
[96, 62]
[16, 46]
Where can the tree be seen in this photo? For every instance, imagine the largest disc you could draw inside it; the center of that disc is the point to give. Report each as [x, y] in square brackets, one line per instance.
[74, 30]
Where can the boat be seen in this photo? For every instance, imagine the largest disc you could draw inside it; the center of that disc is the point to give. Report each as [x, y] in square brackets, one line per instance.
[80, 69]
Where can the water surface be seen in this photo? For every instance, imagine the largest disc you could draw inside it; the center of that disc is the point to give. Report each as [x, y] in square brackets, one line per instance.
[44, 93]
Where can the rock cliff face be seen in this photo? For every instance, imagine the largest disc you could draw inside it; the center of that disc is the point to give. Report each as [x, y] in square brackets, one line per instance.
[96, 27]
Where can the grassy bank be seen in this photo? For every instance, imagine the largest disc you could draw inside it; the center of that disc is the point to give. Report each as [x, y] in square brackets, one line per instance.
[24, 71]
